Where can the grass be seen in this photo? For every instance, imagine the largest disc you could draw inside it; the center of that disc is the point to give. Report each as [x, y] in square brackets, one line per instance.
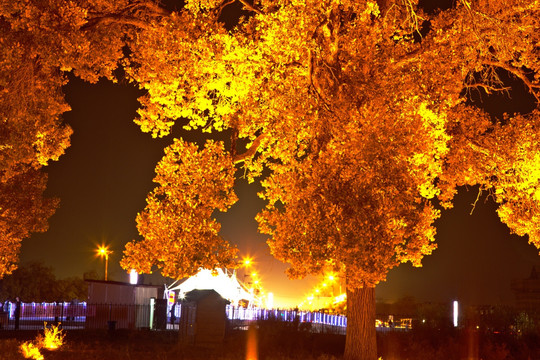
[164, 345]
[276, 341]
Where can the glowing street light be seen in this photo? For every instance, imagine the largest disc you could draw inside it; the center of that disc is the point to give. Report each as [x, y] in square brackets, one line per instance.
[104, 251]
[247, 262]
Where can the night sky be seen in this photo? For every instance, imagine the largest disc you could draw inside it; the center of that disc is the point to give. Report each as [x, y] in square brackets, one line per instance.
[104, 177]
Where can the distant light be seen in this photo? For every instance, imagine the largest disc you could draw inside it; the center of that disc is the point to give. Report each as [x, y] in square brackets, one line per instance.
[270, 301]
[456, 307]
[151, 320]
[133, 277]
[172, 297]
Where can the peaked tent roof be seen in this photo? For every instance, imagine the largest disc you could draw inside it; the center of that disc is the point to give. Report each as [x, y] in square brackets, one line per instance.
[227, 286]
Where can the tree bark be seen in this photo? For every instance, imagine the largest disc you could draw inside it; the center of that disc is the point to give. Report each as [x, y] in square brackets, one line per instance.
[361, 341]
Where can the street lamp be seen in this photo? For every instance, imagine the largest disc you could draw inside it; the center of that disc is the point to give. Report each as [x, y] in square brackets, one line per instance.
[104, 251]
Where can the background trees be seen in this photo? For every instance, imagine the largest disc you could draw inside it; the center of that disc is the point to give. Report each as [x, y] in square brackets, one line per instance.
[35, 282]
[41, 42]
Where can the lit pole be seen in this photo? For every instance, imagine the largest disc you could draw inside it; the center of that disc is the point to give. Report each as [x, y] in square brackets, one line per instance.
[104, 251]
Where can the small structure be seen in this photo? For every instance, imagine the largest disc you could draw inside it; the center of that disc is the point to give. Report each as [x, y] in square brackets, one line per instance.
[119, 305]
[203, 318]
[527, 292]
[225, 284]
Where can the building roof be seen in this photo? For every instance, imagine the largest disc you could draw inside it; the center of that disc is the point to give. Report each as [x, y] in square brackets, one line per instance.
[224, 284]
[197, 295]
[108, 282]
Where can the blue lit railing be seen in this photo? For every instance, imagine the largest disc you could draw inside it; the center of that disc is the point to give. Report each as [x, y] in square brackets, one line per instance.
[240, 313]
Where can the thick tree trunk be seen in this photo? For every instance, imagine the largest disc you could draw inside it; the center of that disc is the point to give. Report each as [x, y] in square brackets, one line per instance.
[361, 341]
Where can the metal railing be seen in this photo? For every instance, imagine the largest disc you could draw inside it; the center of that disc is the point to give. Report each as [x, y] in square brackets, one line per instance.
[76, 316]
[130, 316]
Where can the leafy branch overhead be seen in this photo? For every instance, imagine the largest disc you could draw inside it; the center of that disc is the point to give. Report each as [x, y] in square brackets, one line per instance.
[355, 105]
[354, 115]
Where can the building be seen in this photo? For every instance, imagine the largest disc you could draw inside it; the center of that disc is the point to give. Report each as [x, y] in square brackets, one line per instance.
[120, 305]
[226, 285]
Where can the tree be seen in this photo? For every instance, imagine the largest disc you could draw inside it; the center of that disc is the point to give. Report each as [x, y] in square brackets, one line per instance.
[35, 282]
[40, 43]
[192, 185]
[23, 210]
[355, 115]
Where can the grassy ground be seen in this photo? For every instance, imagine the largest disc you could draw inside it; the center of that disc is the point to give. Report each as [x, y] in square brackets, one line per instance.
[147, 345]
[278, 341]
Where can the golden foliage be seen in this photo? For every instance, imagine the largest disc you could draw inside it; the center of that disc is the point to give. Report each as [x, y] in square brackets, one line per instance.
[352, 115]
[180, 234]
[23, 210]
[357, 118]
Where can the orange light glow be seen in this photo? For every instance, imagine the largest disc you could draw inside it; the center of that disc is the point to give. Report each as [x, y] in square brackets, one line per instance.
[251, 351]
[104, 251]
[247, 261]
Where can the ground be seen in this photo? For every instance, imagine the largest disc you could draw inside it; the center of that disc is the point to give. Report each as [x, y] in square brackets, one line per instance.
[277, 341]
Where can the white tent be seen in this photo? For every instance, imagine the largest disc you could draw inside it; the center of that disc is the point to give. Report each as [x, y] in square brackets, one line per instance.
[226, 285]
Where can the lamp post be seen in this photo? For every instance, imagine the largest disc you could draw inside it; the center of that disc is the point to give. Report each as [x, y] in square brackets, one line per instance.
[104, 251]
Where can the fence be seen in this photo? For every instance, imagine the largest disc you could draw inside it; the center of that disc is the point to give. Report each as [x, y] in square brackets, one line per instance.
[123, 316]
[76, 316]
[317, 321]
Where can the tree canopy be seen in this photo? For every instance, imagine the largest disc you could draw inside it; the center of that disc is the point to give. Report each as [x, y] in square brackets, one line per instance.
[354, 115]
[357, 117]
[35, 282]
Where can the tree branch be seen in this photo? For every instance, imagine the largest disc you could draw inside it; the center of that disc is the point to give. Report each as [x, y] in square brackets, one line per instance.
[250, 7]
[115, 18]
[220, 8]
[519, 74]
[125, 16]
[487, 88]
[237, 158]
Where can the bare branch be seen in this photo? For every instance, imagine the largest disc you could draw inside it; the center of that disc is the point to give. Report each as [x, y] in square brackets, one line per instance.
[151, 6]
[487, 88]
[250, 7]
[519, 74]
[475, 201]
[237, 158]
[221, 6]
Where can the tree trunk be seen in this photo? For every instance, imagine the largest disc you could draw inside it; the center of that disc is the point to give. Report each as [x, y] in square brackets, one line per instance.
[361, 341]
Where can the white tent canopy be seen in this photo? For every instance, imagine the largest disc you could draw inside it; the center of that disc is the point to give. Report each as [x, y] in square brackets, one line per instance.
[226, 285]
